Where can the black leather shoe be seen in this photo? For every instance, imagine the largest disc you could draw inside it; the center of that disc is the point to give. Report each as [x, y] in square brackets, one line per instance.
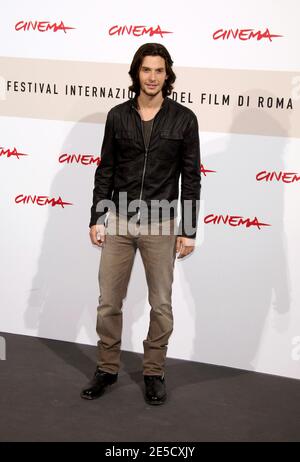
[97, 385]
[155, 389]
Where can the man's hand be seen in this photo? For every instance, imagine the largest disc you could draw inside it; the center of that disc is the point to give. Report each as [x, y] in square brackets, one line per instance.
[185, 246]
[97, 234]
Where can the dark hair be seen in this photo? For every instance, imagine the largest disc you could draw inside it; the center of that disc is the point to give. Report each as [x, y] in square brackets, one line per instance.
[151, 49]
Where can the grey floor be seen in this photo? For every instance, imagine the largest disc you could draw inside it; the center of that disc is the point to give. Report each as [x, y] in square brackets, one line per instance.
[41, 380]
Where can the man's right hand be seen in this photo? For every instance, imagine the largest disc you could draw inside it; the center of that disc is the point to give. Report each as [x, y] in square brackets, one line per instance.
[97, 235]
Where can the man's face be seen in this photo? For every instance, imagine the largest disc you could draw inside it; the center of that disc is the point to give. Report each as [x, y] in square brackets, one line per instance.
[152, 75]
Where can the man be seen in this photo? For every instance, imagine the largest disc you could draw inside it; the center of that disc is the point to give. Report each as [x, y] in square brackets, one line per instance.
[149, 141]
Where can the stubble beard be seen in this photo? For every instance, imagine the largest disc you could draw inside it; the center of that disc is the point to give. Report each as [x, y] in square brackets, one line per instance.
[144, 90]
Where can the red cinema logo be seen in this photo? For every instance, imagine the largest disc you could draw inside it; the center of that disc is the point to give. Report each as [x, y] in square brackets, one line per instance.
[284, 177]
[233, 220]
[41, 26]
[11, 153]
[243, 34]
[137, 31]
[84, 159]
[204, 171]
[41, 200]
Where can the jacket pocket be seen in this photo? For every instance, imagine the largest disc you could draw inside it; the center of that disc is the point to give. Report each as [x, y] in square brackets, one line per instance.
[171, 135]
[125, 144]
[124, 135]
[170, 144]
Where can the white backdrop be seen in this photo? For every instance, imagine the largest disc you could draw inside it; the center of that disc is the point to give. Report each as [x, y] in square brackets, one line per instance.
[236, 300]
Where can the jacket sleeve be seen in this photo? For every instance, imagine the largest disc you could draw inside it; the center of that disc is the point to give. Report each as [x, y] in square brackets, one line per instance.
[104, 175]
[190, 180]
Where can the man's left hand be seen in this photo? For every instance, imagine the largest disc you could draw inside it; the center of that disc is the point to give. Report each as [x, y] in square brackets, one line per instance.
[184, 246]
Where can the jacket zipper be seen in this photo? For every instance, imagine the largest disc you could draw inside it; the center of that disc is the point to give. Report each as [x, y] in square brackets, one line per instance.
[145, 160]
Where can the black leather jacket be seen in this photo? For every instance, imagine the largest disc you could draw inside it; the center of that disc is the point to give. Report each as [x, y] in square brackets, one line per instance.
[153, 173]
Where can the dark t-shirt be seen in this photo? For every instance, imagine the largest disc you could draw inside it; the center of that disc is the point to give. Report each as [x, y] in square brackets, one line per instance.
[147, 126]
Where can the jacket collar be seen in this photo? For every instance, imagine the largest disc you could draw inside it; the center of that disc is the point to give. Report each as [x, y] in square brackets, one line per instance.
[134, 102]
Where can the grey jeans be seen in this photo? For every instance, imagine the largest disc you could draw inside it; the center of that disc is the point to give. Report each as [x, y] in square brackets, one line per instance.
[158, 252]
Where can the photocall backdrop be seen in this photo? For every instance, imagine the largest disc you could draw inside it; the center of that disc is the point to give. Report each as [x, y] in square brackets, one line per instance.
[63, 65]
